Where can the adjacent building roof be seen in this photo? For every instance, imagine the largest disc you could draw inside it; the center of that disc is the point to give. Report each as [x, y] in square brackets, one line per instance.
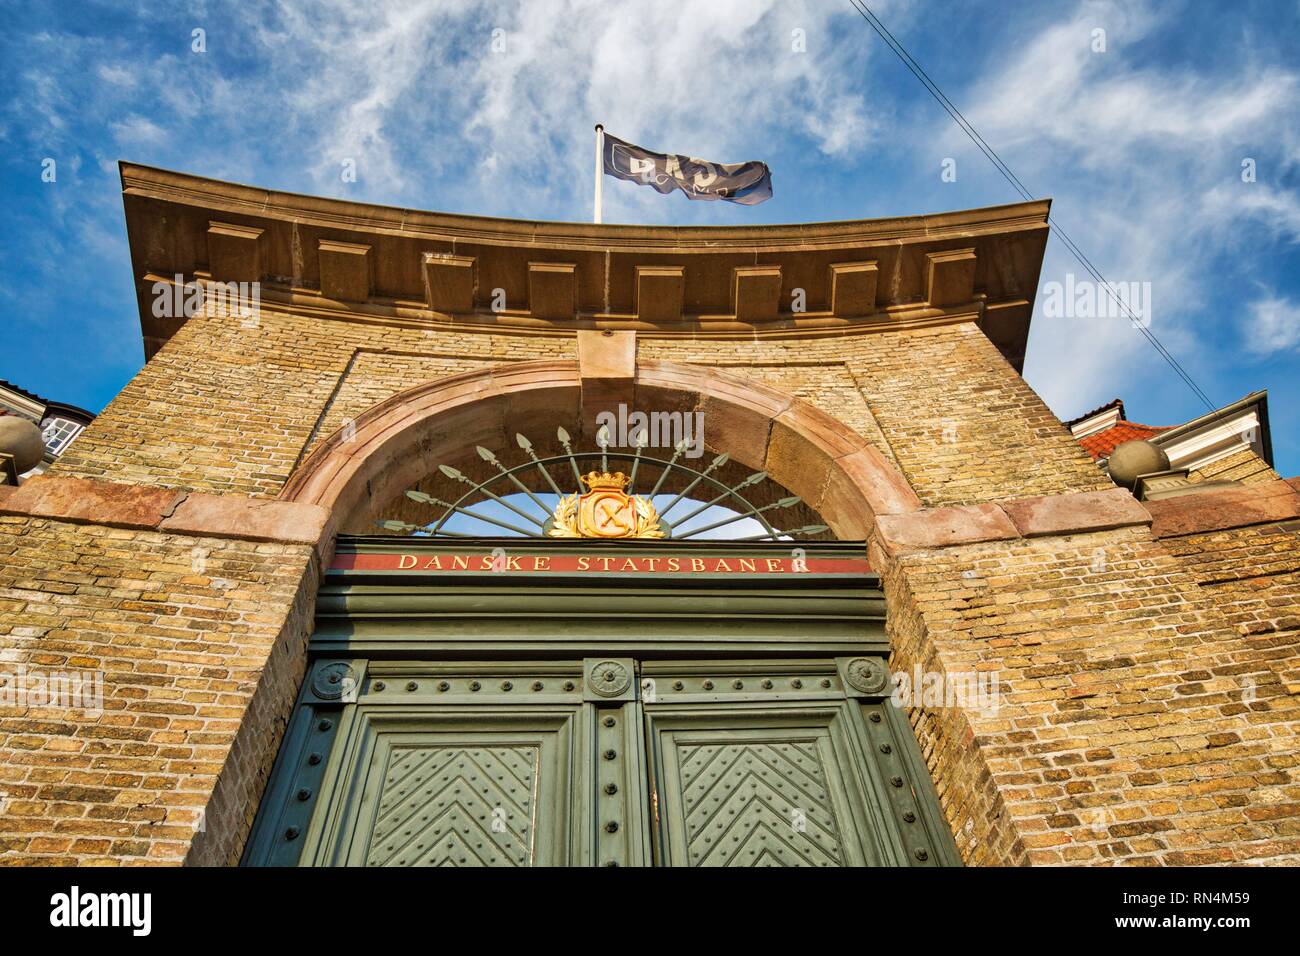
[1225, 431]
[1102, 443]
[14, 399]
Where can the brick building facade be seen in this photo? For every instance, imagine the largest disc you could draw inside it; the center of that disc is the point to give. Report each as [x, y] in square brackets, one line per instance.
[1146, 652]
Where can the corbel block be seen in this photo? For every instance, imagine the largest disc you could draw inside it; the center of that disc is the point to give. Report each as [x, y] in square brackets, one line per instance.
[756, 293]
[853, 289]
[450, 282]
[233, 252]
[344, 270]
[552, 289]
[950, 277]
[659, 293]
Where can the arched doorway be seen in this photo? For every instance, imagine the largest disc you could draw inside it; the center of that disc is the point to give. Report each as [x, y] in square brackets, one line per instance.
[546, 687]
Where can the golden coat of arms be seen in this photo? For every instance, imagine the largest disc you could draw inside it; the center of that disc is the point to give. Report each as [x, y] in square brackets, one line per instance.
[605, 511]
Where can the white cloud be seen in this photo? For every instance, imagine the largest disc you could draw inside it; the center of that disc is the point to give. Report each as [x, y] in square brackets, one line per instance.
[719, 80]
[1276, 211]
[116, 74]
[1272, 325]
[365, 70]
[414, 93]
[1142, 159]
[1111, 108]
[137, 130]
[708, 81]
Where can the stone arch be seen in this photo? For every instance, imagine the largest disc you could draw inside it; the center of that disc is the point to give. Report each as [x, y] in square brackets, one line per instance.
[393, 444]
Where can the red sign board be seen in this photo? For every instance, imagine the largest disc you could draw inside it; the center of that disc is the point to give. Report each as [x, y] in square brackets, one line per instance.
[598, 564]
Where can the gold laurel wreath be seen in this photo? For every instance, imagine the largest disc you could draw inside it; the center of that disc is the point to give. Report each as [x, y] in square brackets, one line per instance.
[647, 519]
[565, 519]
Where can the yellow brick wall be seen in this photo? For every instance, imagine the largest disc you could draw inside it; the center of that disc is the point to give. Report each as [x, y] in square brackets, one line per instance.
[223, 408]
[182, 631]
[942, 404]
[1148, 687]
[1245, 466]
[1150, 696]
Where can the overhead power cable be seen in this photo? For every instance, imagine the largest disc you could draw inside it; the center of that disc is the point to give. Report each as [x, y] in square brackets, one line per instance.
[941, 98]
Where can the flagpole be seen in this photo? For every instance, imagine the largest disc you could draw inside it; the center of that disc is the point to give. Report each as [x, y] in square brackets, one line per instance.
[600, 143]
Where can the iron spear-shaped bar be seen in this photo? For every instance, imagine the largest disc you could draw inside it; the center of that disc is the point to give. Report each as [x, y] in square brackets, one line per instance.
[527, 446]
[678, 451]
[751, 480]
[491, 459]
[777, 535]
[563, 436]
[455, 475]
[602, 439]
[638, 443]
[783, 503]
[713, 466]
[392, 525]
[423, 498]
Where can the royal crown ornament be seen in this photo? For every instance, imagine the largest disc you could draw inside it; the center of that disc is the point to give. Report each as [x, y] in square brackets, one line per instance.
[604, 481]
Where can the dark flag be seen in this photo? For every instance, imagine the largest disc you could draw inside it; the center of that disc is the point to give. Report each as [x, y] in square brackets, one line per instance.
[745, 183]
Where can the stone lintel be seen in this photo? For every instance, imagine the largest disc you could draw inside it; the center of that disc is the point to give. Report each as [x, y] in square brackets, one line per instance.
[167, 510]
[659, 293]
[233, 252]
[945, 527]
[950, 277]
[756, 293]
[1075, 513]
[552, 290]
[853, 289]
[91, 501]
[344, 270]
[449, 281]
[252, 519]
[607, 369]
[1225, 508]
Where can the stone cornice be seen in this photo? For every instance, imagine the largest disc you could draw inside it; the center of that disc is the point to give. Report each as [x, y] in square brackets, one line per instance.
[1218, 510]
[217, 195]
[167, 510]
[330, 258]
[397, 313]
[1048, 515]
[1088, 512]
[1238, 427]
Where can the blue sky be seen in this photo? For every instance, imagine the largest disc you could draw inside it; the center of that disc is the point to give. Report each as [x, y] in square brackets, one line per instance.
[1139, 145]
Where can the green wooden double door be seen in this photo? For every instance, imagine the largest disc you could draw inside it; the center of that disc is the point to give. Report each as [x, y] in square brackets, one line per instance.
[603, 761]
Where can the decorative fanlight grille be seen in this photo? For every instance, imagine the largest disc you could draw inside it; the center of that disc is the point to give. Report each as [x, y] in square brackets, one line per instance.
[510, 501]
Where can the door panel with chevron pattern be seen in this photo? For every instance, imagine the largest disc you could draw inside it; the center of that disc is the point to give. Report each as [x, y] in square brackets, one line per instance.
[768, 786]
[450, 788]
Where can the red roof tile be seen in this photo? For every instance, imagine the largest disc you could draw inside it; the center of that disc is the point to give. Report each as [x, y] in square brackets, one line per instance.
[1100, 444]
